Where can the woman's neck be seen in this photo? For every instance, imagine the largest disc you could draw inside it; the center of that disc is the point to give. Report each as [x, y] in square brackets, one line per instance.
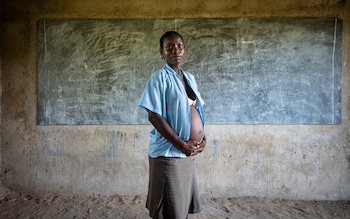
[178, 71]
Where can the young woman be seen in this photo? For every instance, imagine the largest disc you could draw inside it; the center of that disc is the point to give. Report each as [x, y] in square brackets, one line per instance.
[174, 107]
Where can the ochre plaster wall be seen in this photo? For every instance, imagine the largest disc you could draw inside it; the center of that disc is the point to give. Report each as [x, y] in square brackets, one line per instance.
[275, 161]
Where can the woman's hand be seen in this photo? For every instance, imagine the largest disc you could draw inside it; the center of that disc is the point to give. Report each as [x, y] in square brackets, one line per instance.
[188, 147]
[198, 147]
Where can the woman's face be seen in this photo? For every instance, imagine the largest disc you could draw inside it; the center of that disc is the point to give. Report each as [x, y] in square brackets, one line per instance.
[173, 50]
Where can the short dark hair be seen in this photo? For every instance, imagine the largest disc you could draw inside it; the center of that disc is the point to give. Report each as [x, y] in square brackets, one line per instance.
[166, 35]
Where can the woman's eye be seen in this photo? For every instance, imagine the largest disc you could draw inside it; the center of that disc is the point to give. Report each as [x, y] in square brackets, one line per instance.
[169, 48]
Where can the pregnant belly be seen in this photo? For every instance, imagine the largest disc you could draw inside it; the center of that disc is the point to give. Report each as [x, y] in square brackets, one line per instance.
[197, 129]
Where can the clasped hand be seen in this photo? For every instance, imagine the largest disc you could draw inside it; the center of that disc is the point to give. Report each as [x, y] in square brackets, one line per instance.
[196, 147]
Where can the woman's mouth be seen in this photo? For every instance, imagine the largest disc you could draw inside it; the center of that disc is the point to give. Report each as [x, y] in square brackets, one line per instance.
[176, 57]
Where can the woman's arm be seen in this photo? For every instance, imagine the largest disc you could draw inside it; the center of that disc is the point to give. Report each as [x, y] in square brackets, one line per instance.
[167, 132]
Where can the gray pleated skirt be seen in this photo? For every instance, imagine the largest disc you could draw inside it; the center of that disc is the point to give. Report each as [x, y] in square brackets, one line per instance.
[172, 190]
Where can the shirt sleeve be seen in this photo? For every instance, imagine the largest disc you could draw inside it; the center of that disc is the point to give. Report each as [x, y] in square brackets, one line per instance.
[151, 98]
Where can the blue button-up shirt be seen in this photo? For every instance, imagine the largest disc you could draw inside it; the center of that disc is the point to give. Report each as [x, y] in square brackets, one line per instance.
[165, 95]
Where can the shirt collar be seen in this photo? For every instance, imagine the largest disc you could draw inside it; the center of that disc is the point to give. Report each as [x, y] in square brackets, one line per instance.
[170, 69]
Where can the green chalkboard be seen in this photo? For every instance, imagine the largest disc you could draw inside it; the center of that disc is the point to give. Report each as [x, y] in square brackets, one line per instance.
[249, 71]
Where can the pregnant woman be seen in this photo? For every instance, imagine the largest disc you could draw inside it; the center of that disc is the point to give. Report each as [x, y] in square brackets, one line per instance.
[174, 107]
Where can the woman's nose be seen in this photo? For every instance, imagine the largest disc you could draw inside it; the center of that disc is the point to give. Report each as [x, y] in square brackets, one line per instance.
[176, 49]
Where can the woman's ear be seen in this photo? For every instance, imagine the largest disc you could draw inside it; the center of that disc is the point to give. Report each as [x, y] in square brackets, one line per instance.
[161, 51]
